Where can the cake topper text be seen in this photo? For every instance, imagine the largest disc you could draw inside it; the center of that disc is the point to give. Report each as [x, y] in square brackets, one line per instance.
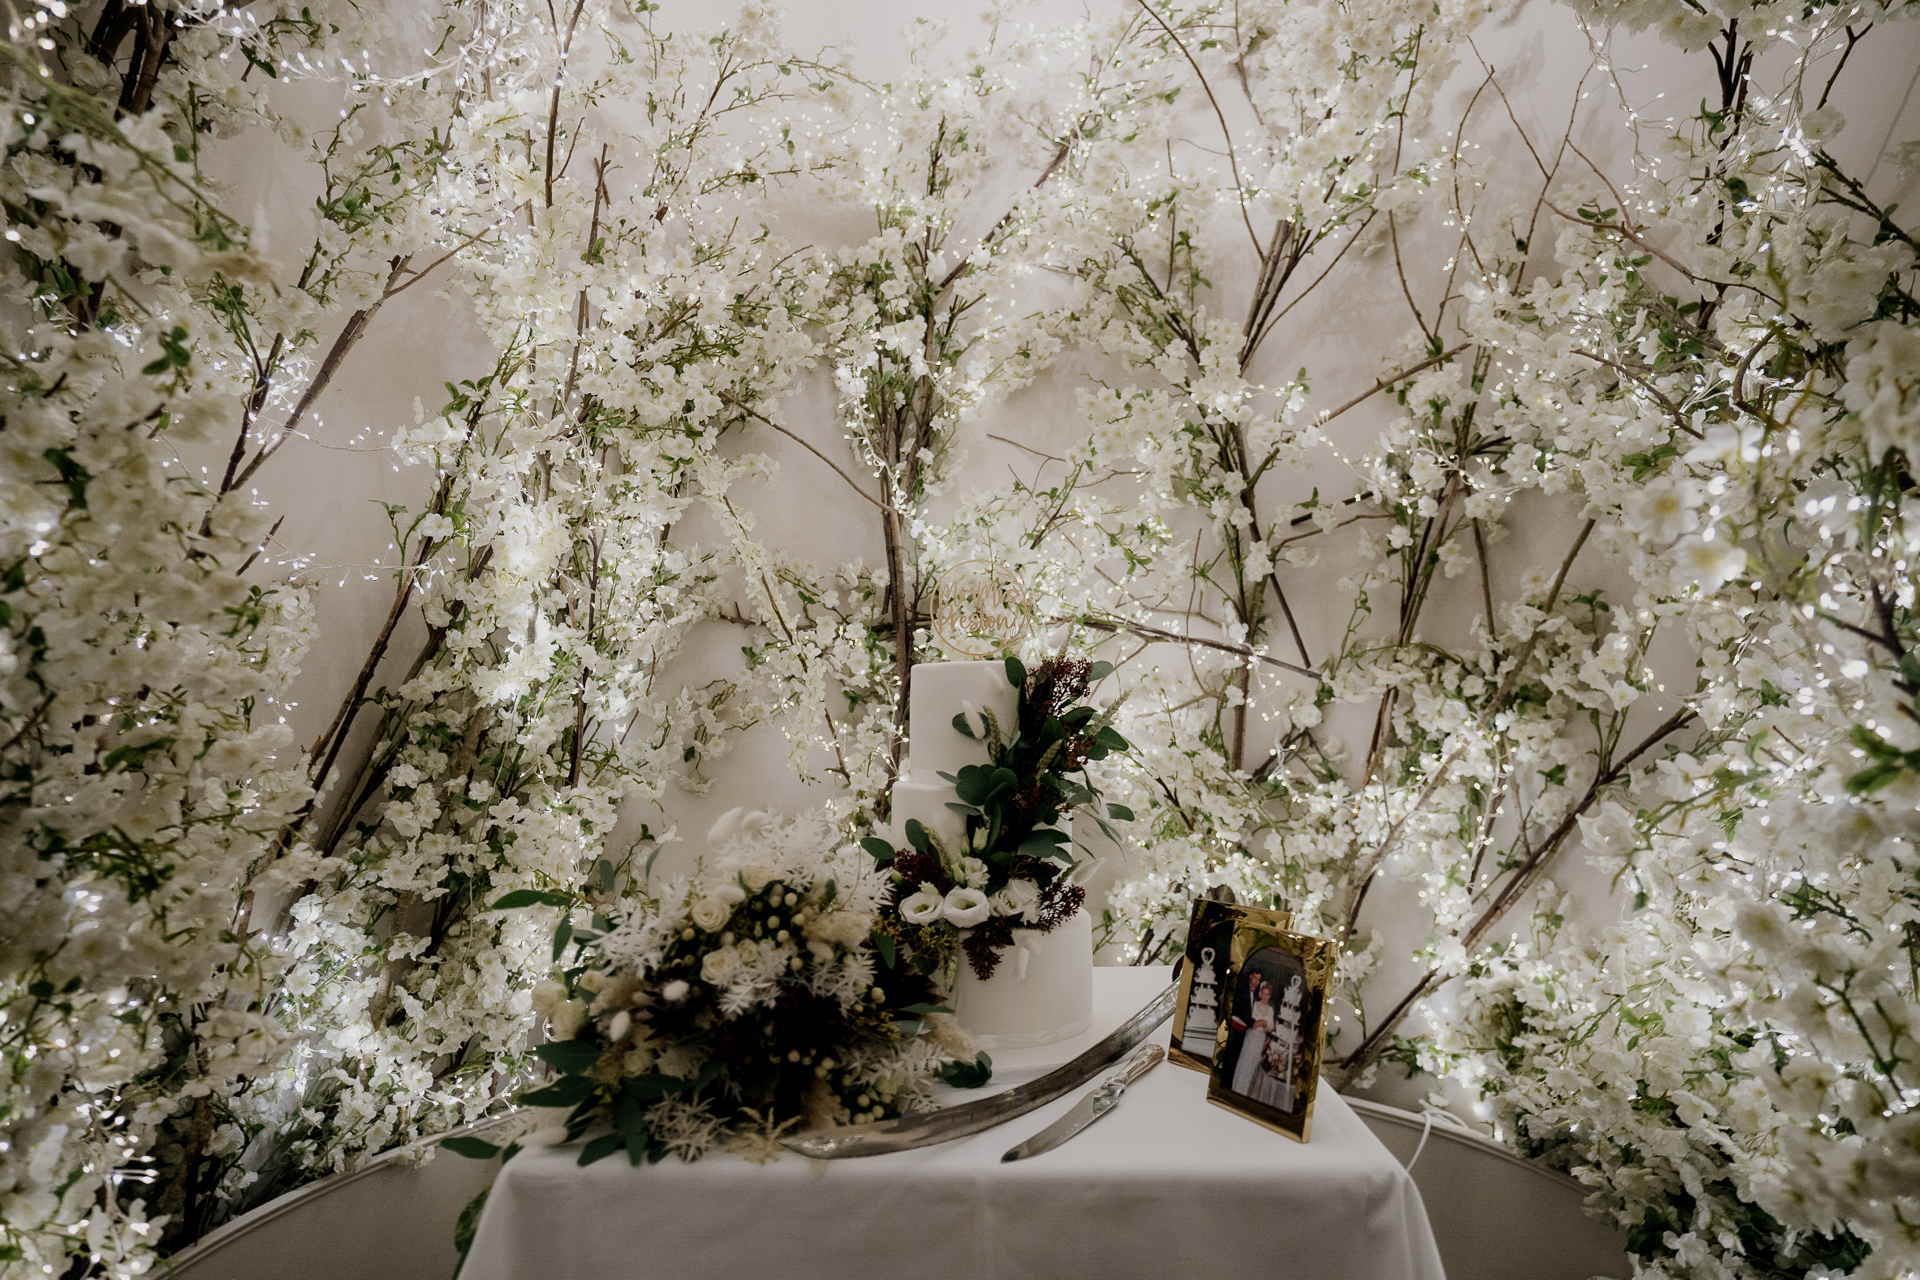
[980, 609]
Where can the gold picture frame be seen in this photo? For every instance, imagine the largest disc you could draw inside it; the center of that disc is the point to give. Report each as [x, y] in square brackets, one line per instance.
[1266, 1052]
[1209, 944]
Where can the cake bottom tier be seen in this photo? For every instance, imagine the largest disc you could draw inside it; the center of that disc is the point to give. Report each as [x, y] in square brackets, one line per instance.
[1041, 992]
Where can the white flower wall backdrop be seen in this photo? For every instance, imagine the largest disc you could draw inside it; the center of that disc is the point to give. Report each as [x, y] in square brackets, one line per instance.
[1471, 506]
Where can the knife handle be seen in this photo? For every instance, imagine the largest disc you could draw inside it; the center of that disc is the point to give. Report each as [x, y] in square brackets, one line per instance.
[1149, 1057]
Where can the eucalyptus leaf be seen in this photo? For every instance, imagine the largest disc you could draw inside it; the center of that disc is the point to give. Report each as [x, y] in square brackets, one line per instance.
[968, 1075]
[601, 1147]
[572, 1057]
[567, 1091]
[532, 898]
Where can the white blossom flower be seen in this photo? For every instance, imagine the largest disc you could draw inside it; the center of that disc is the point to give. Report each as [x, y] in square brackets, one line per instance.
[1711, 562]
[1665, 508]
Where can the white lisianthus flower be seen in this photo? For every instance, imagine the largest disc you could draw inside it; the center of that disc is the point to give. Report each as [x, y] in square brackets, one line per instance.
[923, 906]
[1017, 899]
[965, 907]
[1707, 560]
[1663, 509]
[973, 873]
[711, 914]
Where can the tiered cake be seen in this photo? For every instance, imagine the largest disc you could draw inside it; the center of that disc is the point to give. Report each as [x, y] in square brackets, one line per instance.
[1203, 1006]
[1042, 990]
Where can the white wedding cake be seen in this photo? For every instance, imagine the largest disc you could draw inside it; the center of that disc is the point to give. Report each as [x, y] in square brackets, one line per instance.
[1203, 1005]
[1042, 990]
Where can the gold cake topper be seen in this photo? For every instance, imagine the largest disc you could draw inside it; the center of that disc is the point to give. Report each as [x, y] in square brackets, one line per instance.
[980, 609]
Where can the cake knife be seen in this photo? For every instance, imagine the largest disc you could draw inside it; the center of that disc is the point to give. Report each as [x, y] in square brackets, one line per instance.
[1091, 1107]
[928, 1128]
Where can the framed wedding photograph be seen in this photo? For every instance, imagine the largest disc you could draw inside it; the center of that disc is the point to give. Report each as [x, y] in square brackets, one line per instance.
[1205, 972]
[1272, 1027]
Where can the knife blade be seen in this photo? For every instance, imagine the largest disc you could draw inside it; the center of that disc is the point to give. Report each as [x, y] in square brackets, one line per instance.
[929, 1128]
[1089, 1108]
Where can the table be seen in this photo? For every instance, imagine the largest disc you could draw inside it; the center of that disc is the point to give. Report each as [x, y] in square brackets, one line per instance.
[1167, 1186]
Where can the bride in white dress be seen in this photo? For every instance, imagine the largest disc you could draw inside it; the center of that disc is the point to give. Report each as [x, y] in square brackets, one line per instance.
[1273, 1083]
[1253, 1047]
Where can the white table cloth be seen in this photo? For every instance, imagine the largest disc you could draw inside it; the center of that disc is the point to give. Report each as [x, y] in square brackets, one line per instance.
[1164, 1187]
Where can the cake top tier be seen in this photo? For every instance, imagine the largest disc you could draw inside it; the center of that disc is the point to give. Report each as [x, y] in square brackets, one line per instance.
[941, 690]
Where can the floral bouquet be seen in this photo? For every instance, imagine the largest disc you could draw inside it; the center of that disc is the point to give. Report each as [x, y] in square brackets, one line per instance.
[1016, 866]
[761, 993]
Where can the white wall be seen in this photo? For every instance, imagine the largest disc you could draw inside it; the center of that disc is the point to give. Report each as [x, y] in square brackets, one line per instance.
[327, 486]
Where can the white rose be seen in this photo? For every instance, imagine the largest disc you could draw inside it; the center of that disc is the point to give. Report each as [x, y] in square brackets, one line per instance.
[711, 914]
[965, 908]
[719, 967]
[973, 873]
[756, 876]
[1017, 898]
[923, 906]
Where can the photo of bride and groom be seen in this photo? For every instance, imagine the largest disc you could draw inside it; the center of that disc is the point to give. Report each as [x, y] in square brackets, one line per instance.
[1263, 1050]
